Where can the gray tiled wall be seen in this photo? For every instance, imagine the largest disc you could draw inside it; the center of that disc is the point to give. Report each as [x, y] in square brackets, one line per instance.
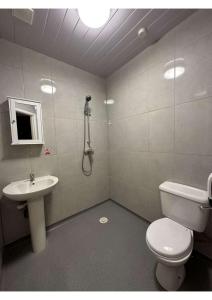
[20, 72]
[162, 129]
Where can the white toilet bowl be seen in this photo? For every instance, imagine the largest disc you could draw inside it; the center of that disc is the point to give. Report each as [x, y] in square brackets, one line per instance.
[172, 245]
[170, 239]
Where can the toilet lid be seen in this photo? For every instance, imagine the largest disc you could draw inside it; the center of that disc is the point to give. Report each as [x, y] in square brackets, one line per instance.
[169, 238]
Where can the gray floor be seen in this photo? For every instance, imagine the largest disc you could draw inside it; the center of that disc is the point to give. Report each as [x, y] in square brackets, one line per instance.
[84, 255]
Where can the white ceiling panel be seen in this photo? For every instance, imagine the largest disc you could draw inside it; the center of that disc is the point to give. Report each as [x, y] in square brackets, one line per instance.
[61, 34]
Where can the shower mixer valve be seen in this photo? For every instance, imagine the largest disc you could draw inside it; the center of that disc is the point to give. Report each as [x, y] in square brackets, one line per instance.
[89, 150]
[87, 111]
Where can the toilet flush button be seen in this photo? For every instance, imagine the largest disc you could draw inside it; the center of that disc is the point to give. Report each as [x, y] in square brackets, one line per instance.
[103, 220]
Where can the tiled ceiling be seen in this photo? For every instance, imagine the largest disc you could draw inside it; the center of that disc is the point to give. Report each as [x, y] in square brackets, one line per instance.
[60, 33]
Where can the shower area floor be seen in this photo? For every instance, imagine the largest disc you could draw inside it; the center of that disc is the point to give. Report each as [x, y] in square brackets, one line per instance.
[84, 255]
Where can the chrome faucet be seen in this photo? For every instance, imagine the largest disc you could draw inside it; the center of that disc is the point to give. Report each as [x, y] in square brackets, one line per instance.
[32, 178]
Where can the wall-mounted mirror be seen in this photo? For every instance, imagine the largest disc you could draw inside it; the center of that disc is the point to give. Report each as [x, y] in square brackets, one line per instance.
[25, 121]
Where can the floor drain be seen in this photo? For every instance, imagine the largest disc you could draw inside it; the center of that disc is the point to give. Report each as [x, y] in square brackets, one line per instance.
[103, 220]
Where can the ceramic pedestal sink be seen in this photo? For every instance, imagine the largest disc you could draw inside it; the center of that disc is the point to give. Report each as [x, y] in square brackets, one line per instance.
[33, 192]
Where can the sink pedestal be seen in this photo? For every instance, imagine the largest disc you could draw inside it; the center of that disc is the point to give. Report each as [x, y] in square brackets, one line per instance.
[37, 224]
[33, 193]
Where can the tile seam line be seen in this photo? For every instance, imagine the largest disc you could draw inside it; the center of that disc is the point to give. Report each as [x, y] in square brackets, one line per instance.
[166, 107]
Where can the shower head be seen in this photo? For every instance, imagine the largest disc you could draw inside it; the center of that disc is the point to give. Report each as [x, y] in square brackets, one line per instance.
[88, 98]
[87, 110]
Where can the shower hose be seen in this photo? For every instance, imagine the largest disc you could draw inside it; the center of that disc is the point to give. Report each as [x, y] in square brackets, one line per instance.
[89, 151]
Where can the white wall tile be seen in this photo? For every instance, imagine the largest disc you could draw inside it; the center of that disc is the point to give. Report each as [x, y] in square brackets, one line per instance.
[193, 28]
[161, 90]
[192, 169]
[161, 132]
[65, 99]
[45, 165]
[10, 54]
[195, 83]
[193, 124]
[32, 90]
[11, 84]
[136, 133]
[36, 63]
[62, 136]
[179, 135]
[66, 136]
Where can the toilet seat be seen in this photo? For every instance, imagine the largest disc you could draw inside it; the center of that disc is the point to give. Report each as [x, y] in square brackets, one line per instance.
[169, 239]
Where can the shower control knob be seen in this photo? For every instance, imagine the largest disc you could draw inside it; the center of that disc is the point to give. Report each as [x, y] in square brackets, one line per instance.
[89, 151]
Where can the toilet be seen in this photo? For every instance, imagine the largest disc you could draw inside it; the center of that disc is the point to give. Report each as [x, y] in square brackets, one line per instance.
[170, 239]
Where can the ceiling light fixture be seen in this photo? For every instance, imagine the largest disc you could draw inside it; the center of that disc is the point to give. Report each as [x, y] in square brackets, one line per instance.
[92, 17]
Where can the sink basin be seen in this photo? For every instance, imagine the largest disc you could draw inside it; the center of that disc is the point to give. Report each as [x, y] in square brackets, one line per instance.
[32, 193]
[24, 189]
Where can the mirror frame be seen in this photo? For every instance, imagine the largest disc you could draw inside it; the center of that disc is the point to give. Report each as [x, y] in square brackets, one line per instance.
[13, 121]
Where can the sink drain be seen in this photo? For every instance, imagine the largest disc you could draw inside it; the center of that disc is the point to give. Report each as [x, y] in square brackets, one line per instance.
[103, 220]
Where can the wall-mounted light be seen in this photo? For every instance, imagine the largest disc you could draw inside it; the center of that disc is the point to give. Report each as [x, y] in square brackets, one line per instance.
[47, 86]
[92, 17]
[109, 101]
[174, 68]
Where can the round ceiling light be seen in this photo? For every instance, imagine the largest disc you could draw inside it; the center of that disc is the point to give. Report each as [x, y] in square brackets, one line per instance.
[92, 17]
